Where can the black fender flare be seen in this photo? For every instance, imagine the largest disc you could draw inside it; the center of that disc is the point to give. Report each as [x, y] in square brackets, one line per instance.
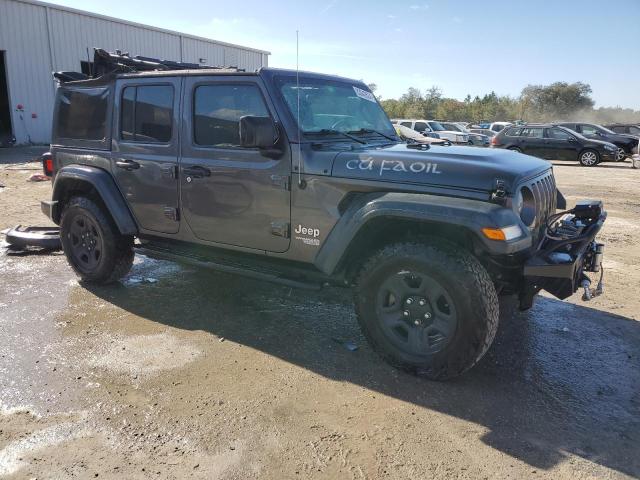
[105, 186]
[470, 214]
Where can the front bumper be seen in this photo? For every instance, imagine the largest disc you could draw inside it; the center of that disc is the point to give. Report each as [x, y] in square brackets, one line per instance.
[559, 266]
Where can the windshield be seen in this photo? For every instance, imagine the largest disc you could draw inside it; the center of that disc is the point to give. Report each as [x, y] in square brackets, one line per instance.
[604, 130]
[452, 127]
[333, 105]
[436, 127]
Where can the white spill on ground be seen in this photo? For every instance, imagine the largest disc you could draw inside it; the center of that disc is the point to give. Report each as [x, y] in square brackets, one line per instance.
[144, 355]
[12, 456]
[149, 270]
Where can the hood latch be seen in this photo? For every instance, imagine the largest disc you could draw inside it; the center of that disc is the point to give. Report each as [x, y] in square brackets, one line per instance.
[500, 193]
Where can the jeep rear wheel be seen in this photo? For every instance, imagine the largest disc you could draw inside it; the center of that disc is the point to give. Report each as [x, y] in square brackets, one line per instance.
[92, 243]
[430, 309]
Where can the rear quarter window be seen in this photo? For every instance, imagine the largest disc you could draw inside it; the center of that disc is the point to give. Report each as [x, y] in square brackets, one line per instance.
[82, 116]
[513, 132]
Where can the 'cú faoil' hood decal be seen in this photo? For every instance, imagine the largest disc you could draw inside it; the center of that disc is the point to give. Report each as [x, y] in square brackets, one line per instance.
[457, 167]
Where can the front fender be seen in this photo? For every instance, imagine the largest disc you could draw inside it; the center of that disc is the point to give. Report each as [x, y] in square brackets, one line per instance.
[85, 178]
[470, 214]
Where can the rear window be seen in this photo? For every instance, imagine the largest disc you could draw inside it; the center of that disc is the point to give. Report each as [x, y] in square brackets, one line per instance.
[146, 113]
[82, 114]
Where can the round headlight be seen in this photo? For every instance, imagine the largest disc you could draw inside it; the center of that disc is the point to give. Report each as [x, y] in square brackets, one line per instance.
[526, 206]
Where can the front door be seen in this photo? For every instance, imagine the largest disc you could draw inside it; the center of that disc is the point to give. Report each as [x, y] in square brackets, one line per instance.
[559, 145]
[230, 194]
[145, 150]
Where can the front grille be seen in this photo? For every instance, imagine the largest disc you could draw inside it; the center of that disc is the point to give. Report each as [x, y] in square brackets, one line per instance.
[544, 193]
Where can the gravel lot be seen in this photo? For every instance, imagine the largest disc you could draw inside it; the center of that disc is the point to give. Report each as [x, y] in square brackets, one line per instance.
[179, 373]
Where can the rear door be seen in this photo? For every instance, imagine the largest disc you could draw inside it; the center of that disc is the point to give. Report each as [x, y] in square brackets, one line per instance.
[230, 194]
[145, 150]
[532, 141]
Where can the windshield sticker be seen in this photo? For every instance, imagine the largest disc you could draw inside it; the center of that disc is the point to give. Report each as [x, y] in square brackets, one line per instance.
[393, 166]
[364, 94]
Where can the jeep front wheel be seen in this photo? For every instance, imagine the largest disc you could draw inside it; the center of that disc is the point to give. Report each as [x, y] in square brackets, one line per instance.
[92, 243]
[430, 309]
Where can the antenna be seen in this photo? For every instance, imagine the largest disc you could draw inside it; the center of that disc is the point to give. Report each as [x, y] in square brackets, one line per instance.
[300, 181]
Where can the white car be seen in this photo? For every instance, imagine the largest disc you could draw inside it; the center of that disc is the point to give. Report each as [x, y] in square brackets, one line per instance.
[420, 126]
[451, 135]
[412, 136]
[499, 126]
[431, 127]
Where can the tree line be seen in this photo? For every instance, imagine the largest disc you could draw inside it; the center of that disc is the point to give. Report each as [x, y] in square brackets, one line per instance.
[536, 103]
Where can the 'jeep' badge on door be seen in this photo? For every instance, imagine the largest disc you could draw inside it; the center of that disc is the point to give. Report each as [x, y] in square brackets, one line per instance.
[308, 235]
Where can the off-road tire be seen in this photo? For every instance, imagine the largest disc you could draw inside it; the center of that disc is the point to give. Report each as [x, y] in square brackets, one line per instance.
[117, 252]
[461, 276]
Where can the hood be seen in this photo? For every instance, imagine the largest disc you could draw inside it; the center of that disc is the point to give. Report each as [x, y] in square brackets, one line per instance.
[467, 168]
[628, 136]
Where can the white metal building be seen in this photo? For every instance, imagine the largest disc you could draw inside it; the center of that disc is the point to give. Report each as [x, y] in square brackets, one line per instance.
[38, 38]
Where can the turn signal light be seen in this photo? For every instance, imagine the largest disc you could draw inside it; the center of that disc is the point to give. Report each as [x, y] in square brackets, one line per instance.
[502, 234]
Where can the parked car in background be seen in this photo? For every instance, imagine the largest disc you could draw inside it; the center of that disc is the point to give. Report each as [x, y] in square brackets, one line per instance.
[625, 128]
[499, 126]
[420, 126]
[627, 144]
[476, 139]
[429, 127]
[484, 131]
[409, 135]
[554, 142]
[454, 136]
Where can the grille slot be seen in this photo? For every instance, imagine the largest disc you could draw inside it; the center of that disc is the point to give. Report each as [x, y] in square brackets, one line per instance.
[544, 194]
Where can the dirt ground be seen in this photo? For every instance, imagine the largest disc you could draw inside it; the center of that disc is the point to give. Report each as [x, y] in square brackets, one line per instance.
[179, 373]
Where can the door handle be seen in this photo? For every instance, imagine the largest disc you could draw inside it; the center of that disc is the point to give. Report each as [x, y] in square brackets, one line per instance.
[196, 171]
[127, 164]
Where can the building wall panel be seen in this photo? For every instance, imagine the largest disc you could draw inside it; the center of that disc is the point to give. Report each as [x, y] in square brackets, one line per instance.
[23, 37]
[40, 38]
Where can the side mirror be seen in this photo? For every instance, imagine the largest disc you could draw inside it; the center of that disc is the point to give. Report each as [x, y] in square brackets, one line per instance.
[571, 140]
[257, 132]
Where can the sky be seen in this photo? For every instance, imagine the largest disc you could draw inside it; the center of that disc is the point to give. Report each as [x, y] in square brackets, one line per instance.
[462, 46]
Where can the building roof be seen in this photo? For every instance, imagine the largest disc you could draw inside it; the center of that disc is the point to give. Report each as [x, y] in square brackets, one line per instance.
[140, 25]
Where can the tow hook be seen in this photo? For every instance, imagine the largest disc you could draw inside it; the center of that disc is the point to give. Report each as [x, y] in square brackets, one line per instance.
[589, 292]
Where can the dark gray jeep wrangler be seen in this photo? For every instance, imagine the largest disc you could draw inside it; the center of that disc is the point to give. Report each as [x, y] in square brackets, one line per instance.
[299, 178]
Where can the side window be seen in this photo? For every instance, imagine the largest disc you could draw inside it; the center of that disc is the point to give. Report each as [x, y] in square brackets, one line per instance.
[82, 113]
[147, 113]
[513, 132]
[618, 129]
[420, 126]
[406, 124]
[217, 111]
[634, 130]
[588, 130]
[558, 134]
[532, 132]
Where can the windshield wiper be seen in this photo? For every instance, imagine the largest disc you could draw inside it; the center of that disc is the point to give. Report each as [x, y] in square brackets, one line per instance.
[369, 130]
[328, 131]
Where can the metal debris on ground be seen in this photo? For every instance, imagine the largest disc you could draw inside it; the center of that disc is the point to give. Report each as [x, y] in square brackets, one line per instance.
[38, 177]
